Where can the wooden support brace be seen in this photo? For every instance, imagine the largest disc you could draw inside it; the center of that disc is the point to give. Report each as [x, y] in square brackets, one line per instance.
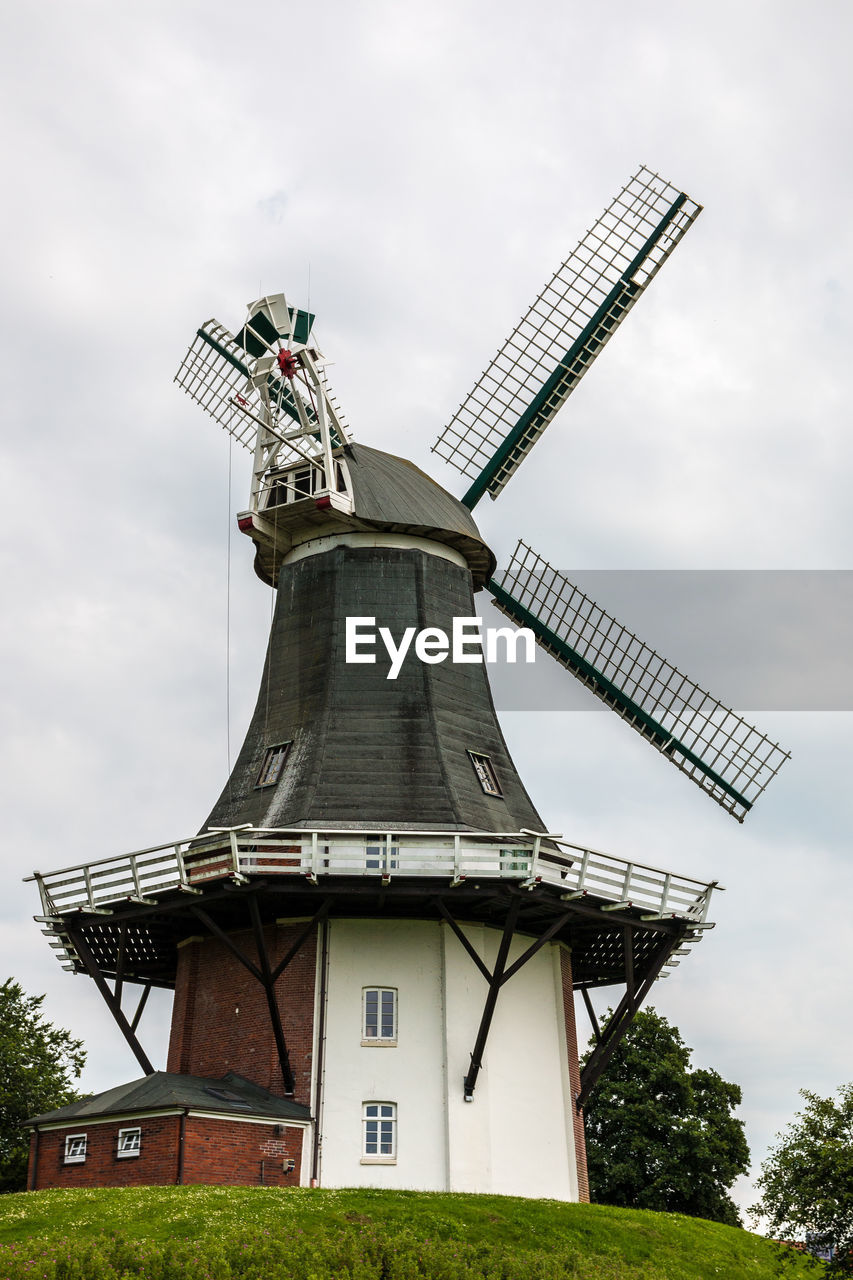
[143, 1000]
[465, 942]
[619, 1022]
[536, 946]
[628, 950]
[91, 966]
[223, 937]
[122, 946]
[596, 1030]
[317, 919]
[470, 1081]
[267, 982]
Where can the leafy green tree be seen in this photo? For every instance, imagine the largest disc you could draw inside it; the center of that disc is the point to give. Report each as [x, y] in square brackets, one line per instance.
[37, 1064]
[806, 1182]
[660, 1136]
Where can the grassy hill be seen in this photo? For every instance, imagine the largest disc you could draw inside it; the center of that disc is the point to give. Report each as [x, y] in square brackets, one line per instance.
[259, 1233]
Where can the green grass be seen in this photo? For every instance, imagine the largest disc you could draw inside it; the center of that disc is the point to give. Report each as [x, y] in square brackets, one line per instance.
[222, 1232]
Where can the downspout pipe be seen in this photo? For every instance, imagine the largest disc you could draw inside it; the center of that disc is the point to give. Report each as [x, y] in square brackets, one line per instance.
[321, 1043]
[34, 1171]
[182, 1134]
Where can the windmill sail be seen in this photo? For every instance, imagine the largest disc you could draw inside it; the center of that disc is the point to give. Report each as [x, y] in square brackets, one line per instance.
[543, 360]
[725, 756]
[236, 381]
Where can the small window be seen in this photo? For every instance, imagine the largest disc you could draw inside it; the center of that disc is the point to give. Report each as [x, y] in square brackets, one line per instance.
[379, 1015]
[380, 1132]
[273, 765]
[486, 775]
[303, 482]
[129, 1142]
[75, 1148]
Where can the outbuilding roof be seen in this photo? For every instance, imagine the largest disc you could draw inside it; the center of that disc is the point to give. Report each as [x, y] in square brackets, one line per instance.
[164, 1089]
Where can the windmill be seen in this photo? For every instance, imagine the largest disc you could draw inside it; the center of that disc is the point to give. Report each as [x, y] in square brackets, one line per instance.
[374, 875]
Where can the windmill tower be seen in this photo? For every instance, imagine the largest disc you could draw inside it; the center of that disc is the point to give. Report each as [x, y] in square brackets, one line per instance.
[374, 939]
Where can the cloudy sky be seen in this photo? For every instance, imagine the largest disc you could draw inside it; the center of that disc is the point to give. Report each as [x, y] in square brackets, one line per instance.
[415, 172]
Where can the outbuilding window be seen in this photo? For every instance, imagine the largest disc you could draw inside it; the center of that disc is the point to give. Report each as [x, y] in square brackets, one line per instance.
[75, 1148]
[380, 1133]
[379, 1015]
[129, 1143]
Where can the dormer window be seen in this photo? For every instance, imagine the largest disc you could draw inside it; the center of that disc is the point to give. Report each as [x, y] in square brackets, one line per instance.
[273, 765]
[485, 772]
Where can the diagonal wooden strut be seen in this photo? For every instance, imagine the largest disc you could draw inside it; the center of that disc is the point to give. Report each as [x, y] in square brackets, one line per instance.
[500, 975]
[143, 1000]
[316, 919]
[536, 946]
[268, 984]
[621, 1019]
[464, 941]
[596, 1029]
[90, 964]
[495, 983]
[224, 938]
[262, 974]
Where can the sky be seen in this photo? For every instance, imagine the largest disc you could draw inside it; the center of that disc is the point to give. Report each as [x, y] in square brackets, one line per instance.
[414, 173]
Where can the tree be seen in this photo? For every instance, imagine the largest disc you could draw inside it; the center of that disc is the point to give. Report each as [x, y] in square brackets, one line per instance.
[806, 1182]
[660, 1136]
[37, 1064]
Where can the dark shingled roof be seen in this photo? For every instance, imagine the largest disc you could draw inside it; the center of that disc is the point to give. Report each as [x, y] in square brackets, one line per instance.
[367, 752]
[392, 493]
[231, 1093]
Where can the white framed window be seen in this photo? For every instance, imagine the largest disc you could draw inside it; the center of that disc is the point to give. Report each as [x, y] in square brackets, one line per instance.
[379, 1015]
[485, 772]
[75, 1148]
[129, 1143]
[380, 1133]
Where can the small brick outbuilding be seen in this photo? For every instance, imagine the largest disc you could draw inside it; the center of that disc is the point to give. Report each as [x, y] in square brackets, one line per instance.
[170, 1129]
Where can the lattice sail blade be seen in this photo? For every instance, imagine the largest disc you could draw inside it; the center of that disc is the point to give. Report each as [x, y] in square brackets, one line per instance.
[575, 315]
[725, 756]
[215, 375]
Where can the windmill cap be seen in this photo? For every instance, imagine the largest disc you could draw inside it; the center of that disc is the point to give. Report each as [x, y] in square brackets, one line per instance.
[393, 494]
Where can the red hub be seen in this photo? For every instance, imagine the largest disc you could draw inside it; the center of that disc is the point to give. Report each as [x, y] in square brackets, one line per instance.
[288, 363]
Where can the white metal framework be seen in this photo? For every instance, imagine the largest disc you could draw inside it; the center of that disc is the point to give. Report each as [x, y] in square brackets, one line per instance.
[574, 316]
[267, 387]
[728, 758]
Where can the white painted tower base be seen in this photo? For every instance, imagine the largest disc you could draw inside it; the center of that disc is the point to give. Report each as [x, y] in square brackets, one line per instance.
[517, 1135]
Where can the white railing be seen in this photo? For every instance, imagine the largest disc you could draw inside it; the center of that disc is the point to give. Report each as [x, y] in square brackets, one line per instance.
[241, 853]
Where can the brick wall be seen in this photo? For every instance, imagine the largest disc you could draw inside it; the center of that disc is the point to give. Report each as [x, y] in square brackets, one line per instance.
[156, 1165]
[218, 1152]
[574, 1071]
[220, 1018]
[251, 1153]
